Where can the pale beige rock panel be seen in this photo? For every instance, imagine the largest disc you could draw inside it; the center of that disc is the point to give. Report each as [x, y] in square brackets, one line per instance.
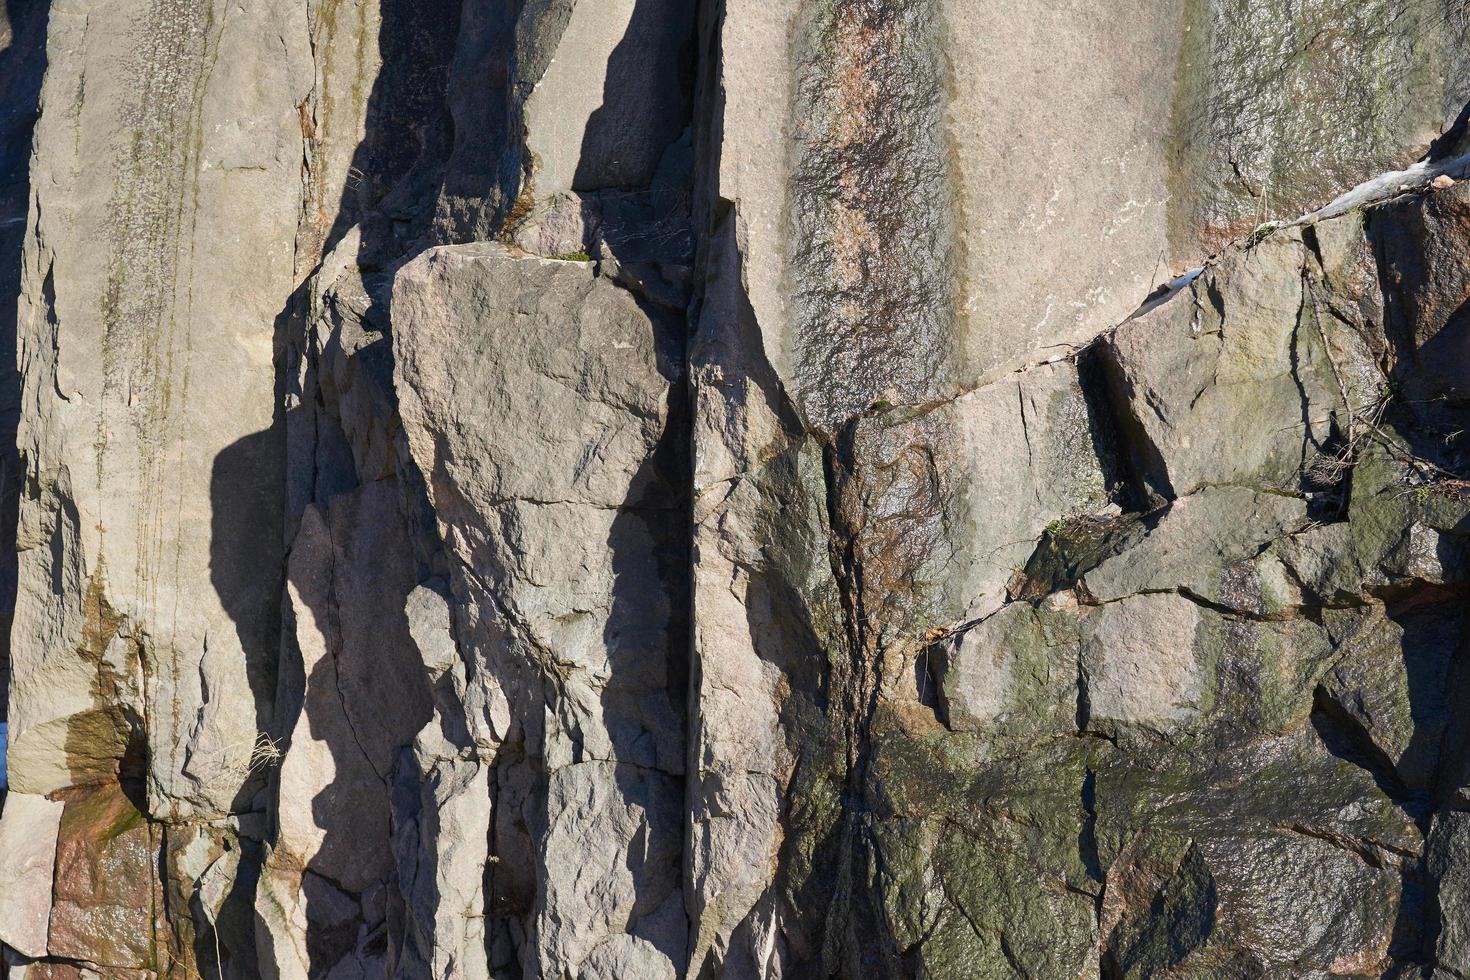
[28, 831]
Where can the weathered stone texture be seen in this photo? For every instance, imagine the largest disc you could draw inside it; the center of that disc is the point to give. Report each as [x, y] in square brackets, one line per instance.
[656, 489]
[29, 832]
[565, 555]
[147, 337]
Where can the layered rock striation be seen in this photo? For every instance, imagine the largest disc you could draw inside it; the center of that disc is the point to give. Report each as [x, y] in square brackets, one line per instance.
[656, 489]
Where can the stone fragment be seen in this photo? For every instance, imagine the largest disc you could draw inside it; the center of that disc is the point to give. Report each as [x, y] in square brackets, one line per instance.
[29, 829]
[57, 970]
[430, 626]
[546, 427]
[980, 478]
[991, 867]
[106, 882]
[441, 843]
[79, 748]
[1392, 689]
[1159, 906]
[613, 853]
[1144, 663]
[380, 679]
[1209, 376]
[1427, 279]
[1013, 674]
[626, 956]
[1298, 851]
[359, 694]
[1200, 544]
[332, 797]
[1445, 855]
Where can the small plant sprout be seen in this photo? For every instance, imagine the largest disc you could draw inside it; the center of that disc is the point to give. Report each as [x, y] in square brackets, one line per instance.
[1261, 232]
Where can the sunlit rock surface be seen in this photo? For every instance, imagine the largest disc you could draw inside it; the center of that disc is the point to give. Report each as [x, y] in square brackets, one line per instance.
[722, 489]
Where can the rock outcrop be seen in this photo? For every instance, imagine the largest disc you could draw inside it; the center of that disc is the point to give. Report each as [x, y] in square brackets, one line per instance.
[745, 489]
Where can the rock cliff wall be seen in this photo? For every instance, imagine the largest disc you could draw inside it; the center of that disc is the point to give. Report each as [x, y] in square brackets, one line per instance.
[746, 489]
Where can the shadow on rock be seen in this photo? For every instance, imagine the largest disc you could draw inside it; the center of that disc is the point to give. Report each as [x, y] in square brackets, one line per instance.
[634, 94]
[247, 505]
[22, 65]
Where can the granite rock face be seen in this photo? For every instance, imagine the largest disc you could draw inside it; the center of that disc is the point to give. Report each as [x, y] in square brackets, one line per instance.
[652, 489]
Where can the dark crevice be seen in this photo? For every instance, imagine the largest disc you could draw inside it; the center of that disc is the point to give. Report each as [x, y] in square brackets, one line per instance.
[852, 692]
[1345, 738]
[1371, 853]
[1071, 548]
[1087, 838]
[1148, 479]
[1104, 424]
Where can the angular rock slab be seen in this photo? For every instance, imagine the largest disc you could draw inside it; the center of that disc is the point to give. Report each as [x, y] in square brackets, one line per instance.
[441, 846]
[1209, 377]
[1184, 111]
[1449, 843]
[107, 905]
[1256, 871]
[168, 193]
[541, 405]
[28, 835]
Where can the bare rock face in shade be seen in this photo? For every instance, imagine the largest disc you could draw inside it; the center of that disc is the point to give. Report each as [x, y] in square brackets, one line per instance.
[741, 489]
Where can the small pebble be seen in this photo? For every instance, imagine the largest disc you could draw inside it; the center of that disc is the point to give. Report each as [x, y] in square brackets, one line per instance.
[1442, 181]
